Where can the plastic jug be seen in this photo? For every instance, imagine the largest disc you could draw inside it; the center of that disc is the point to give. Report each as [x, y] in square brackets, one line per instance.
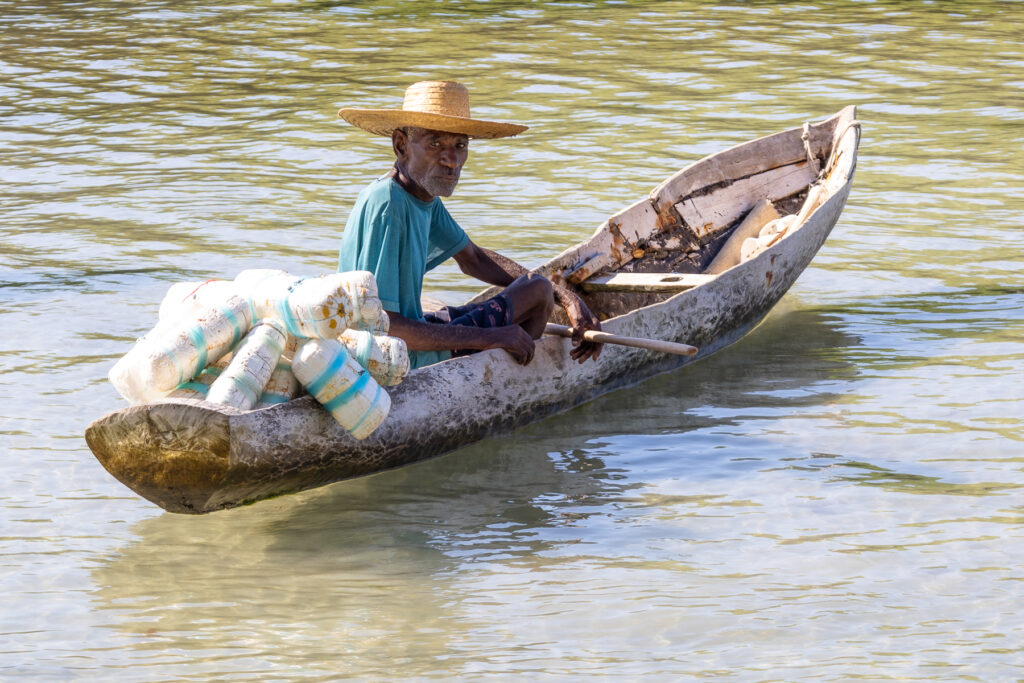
[318, 307]
[385, 357]
[176, 352]
[252, 363]
[341, 385]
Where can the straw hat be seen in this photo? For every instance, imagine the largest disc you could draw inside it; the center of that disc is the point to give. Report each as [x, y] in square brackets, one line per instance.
[435, 105]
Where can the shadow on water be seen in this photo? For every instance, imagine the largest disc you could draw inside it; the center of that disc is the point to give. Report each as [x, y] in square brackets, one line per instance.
[385, 542]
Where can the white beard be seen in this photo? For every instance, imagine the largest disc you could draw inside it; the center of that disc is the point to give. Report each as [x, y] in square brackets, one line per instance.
[436, 186]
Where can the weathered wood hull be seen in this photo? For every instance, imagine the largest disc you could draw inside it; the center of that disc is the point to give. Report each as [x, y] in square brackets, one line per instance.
[194, 457]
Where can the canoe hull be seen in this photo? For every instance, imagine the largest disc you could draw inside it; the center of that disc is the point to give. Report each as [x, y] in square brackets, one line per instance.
[192, 457]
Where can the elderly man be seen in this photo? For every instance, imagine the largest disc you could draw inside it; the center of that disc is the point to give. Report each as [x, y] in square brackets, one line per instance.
[399, 229]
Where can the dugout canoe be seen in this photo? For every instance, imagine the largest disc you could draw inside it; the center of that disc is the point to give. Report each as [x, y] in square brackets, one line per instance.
[641, 271]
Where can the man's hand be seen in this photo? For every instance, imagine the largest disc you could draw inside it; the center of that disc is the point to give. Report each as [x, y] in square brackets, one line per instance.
[581, 319]
[513, 339]
[496, 269]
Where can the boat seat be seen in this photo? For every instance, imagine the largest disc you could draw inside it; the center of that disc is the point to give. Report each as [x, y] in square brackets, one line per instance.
[646, 282]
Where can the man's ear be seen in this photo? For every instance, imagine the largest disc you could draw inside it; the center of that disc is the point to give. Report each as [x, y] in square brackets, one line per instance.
[399, 142]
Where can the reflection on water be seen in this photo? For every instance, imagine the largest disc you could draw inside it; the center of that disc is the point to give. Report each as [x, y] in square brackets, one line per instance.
[872, 475]
[382, 559]
[833, 497]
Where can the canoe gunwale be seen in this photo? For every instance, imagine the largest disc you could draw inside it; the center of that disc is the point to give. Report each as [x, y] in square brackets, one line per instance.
[614, 241]
[297, 445]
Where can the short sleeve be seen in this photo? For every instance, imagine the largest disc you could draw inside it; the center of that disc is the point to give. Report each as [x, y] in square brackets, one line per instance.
[447, 238]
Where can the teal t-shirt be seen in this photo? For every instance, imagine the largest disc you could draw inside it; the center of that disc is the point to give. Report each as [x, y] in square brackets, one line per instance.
[399, 238]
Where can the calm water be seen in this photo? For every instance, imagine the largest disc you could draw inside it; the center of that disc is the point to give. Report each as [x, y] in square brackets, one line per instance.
[837, 496]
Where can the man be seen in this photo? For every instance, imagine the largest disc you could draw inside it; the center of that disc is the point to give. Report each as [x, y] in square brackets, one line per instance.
[399, 230]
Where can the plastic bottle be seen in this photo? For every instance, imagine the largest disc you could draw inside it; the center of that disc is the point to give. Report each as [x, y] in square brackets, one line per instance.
[242, 382]
[380, 326]
[385, 357]
[200, 384]
[771, 233]
[317, 307]
[176, 352]
[189, 298]
[362, 290]
[345, 389]
[282, 385]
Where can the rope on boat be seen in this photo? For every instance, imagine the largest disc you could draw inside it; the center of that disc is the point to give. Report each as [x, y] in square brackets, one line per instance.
[816, 190]
[811, 159]
[834, 156]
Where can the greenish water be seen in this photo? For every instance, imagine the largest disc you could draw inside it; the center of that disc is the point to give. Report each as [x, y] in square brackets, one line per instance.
[836, 496]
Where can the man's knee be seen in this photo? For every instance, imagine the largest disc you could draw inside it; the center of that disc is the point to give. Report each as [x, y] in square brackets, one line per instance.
[532, 297]
[538, 287]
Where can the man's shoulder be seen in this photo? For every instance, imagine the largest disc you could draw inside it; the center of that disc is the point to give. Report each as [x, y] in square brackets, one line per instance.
[384, 195]
[378, 205]
[378, 193]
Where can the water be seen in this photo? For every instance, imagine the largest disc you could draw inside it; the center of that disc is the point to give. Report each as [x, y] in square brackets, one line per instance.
[836, 496]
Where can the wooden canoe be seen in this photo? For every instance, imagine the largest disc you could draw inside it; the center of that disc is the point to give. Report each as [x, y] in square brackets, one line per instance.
[640, 271]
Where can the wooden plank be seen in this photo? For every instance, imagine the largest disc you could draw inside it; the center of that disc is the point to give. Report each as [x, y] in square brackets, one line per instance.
[646, 282]
[597, 258]
[636, 222]
[715, 211]
[743, 160]
[754, 157]
[624, 230]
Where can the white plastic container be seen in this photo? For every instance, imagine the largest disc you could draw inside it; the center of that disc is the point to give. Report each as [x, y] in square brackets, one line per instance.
[317, 307]
[382, 325]
[176, 352]
[125, 375]
[189, 298]
[386, 358]
[200, 385]
[345, 389]
[242, 382]
[282, 385]
[771, 233]
[362, 290]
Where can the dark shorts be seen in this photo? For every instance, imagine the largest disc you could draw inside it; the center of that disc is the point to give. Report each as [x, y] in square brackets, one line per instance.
[495, 312]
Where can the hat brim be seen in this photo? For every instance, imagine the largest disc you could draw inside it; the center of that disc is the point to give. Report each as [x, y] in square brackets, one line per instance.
[384, 121]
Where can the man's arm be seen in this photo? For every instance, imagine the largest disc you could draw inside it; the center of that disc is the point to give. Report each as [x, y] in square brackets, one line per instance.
[495, 269]
[424, 336]
[488, 266]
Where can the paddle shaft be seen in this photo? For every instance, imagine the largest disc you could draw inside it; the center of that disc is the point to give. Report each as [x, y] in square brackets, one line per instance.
[636, 342]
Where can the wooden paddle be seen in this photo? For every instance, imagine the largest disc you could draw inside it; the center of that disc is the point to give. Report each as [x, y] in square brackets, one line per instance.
[636, 342]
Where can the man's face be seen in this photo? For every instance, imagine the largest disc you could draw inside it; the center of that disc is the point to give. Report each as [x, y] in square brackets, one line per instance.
[433, 159]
